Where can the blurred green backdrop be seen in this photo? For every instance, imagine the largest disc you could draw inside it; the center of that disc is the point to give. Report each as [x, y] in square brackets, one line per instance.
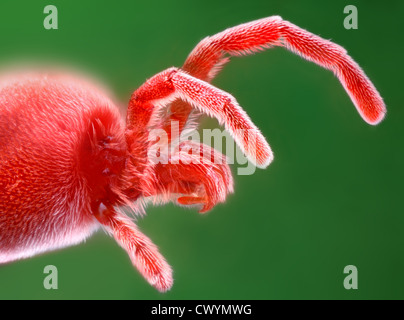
[332, 197]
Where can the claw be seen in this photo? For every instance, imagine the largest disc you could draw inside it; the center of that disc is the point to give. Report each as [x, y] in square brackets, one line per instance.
[189, 201]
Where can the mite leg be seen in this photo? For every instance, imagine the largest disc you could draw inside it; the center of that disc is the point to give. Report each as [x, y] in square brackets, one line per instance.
[212, 53]
[142, 252]
[148, 100]
[196, 175]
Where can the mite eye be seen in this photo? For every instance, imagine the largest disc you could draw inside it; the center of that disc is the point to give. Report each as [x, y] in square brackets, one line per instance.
[104, 141]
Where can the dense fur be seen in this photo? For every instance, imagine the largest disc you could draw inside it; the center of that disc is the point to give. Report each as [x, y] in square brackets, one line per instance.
[51, 169]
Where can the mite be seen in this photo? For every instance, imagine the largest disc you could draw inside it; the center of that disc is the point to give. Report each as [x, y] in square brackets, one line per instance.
[69, 163]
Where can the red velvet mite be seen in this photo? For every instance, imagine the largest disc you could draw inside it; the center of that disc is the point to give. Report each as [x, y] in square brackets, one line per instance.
[69, 163]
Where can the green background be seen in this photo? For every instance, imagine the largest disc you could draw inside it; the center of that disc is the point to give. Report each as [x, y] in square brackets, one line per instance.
[332, 197]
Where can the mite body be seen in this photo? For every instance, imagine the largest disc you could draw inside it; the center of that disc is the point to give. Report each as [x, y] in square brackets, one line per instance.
[69, 162]
[61, 144]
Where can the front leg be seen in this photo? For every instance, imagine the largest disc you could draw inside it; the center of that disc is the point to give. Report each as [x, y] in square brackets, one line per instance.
[212, 53]
[197, 175]
[144, 114]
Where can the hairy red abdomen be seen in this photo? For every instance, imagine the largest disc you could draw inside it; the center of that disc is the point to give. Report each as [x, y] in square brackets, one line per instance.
[61, 151]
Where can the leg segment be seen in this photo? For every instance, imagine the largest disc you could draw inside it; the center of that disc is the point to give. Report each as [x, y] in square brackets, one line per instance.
[142, 252]
[196, 175]
[146, 102]
[209, 56]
